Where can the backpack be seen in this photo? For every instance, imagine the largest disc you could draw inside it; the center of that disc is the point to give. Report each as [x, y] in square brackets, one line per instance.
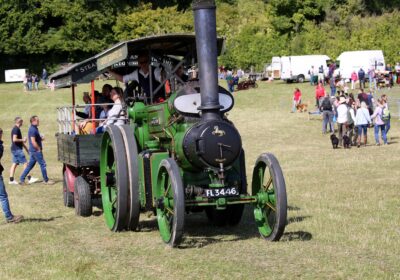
[385, 114]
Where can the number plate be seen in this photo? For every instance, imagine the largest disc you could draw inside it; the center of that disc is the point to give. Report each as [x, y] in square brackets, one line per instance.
[221, 192]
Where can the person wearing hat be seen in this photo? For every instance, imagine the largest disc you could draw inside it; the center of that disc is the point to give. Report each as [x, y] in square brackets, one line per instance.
[342, 118]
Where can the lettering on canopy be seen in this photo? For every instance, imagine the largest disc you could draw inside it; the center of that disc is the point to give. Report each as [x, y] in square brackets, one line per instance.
[84, 70]
[112, 58]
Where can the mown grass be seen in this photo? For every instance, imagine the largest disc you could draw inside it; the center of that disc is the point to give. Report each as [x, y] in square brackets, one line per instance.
[343, 217]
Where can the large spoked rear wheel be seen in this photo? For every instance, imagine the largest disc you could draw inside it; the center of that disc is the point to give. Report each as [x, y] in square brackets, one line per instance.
[132, 161]
[269, 186]
[114, 179]
[170, 202]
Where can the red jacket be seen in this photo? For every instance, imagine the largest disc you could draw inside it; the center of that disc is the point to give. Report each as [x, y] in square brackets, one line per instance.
[297, 95]
[354, 76]
[319, 92]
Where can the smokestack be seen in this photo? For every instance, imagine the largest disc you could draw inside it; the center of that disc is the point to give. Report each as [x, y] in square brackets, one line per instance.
[207, 53]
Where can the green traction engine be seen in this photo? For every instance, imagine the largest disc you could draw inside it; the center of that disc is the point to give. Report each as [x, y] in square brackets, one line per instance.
[183, 155]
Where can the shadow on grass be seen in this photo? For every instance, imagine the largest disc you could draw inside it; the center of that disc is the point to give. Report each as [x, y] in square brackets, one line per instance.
[97, 213]
[40, 220]
[293, 208]
[199, 232]
[298, 219]
[296, 236]
[148, 225]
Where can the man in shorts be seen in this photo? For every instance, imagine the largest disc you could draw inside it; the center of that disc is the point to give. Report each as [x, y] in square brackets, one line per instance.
[18, 156]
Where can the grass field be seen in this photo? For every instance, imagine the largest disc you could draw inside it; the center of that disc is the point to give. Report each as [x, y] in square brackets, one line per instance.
[343, 219]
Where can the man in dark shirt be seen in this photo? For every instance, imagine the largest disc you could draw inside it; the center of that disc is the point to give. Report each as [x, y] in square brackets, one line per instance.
[5, 205]
[35, 152]
[18, 156]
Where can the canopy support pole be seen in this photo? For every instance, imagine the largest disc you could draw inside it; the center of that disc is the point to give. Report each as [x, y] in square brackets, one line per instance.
[73, 108]
[93, 108]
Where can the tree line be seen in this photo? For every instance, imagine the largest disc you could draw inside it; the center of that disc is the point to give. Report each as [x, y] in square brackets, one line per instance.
[47, 32]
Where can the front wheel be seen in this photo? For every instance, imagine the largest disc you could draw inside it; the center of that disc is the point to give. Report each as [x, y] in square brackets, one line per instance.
[269, 186]
[170, 202]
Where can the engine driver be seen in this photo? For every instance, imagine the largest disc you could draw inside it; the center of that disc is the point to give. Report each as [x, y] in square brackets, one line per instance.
[142, 77]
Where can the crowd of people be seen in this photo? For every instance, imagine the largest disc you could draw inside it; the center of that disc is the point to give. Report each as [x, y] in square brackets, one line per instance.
[377, 79]
[353, 115]
[31, 81]
[232, 77]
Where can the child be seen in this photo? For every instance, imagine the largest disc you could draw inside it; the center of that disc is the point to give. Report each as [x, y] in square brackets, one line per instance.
[296, 99]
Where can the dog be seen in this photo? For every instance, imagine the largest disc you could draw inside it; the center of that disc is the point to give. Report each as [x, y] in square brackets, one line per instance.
[303, 107]
[346, 142]
[335, 141]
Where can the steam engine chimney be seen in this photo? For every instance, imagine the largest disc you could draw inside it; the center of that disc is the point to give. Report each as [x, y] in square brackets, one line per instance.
[207, 53]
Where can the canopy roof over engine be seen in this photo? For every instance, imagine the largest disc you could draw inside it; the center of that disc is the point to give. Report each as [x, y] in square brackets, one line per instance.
[123, 56]
[179, 45]
[82, 72]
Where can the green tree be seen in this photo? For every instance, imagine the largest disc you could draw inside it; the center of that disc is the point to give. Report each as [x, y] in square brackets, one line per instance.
[145, 21]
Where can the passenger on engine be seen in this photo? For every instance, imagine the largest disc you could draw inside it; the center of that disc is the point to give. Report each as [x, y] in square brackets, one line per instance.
[116, 115]
[86, 111]
[142, 77]
[105, 94]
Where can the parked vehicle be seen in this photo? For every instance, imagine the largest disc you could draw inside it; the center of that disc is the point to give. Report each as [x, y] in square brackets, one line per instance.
[296, 68]
[347, 62]
[246, 84]
[273, 69]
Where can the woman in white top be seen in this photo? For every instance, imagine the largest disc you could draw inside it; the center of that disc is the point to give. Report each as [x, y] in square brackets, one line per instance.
[363, 119]
[115, 115]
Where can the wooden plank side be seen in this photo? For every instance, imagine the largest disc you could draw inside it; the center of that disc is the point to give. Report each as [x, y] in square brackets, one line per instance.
[89, 149]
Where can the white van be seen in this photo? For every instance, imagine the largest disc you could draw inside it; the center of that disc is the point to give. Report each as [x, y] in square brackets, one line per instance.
[273, 69]
[347, 62]
[296, 68]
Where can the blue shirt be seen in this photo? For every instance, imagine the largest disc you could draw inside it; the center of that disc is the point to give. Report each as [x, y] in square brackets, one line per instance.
[34, 132]
[16, 145]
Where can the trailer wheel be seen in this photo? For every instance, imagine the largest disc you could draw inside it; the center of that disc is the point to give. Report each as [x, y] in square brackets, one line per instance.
[170, 202]
[300, 78]
[82, 197]
[114, 179]
[269, 186]
[132, 163]
[68, 196]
